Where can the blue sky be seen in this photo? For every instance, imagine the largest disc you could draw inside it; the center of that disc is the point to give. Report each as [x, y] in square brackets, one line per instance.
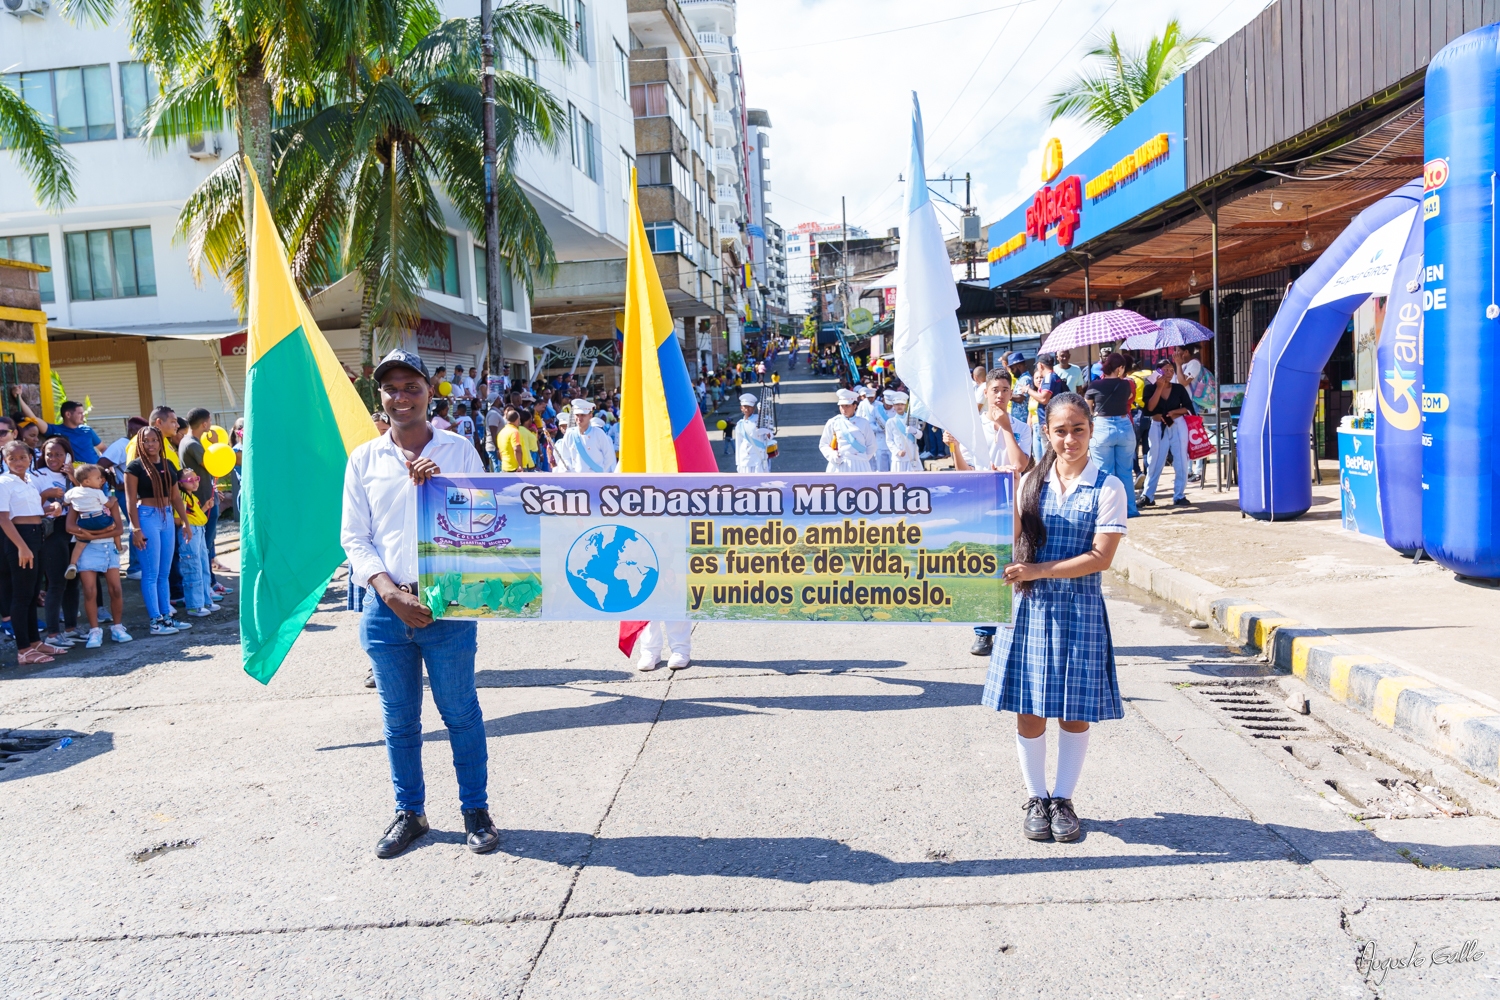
[840, 105]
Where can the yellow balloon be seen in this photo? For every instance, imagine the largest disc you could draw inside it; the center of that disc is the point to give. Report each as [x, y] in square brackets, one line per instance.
[445, 388]
[216, 435]
[723, 424]
[219, 460]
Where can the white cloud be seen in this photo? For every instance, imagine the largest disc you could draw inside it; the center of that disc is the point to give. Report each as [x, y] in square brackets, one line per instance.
[840, 107]
[942, 522]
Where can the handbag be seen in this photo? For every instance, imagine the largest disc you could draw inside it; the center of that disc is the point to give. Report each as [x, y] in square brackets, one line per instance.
[1204, 391]
[1199, 443]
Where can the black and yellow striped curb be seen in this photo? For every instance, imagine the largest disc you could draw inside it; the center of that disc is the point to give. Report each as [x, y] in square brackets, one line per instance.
[1390, 694]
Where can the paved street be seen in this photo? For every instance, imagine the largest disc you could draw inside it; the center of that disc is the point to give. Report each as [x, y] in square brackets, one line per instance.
[808, 811]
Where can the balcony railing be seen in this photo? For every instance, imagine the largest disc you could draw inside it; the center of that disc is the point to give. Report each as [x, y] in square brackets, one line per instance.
[712, 41]
[724, 120]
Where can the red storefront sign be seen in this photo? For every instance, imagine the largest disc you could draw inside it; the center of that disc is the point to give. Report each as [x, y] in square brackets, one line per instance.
[434, 336]
[234, 346]
[1058, 207]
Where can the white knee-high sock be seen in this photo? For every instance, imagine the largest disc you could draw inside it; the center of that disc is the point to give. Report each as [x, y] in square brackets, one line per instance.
[1033, 753]
[1071, 748]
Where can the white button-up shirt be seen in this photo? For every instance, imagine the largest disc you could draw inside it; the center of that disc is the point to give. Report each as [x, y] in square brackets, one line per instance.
[380, 503]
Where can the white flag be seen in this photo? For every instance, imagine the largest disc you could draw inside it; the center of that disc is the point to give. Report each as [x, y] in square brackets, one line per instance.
[929, 348]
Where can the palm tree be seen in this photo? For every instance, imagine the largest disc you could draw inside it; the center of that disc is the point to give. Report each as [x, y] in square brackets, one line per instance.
[1104, 98]
[37, 146]
[359, 170]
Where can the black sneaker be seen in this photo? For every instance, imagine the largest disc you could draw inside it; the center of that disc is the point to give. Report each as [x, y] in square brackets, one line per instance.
[984, 642]
[1038, 824]
[1065, 827]
[370, 678]
[483, 837]
[1144, 501]
[1181, 502]
[401, 834]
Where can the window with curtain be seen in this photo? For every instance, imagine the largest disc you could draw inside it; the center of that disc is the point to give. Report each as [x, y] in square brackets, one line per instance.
[482, 283]
[445, 279]
[33, 250]
[78, 102]
[137, 90]
[580, 19]
[663, 169]
[110, 264]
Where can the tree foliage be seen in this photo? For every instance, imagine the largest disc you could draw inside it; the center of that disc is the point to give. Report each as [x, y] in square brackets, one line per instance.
[1104, 96]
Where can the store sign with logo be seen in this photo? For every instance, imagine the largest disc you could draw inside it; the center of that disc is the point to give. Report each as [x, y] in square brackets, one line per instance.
[434, 336]
[1132, 168]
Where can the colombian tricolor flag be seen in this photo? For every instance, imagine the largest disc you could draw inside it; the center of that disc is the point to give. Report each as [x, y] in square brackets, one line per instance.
[661, 429]
[302, 418]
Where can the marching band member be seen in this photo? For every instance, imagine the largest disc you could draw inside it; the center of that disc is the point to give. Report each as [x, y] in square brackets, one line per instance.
[848, 441]
[871, 410]
[586, 447]
[751, 441]
[900, 441]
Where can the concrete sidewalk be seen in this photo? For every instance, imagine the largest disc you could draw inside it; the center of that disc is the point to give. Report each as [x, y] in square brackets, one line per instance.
[1411, 645]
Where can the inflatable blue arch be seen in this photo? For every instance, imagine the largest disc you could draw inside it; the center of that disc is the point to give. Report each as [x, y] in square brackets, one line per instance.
[1274, 443]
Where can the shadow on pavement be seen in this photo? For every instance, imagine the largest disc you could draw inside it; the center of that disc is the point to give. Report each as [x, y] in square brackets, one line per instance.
[609, 708]
[1192, 840]
[49, 757]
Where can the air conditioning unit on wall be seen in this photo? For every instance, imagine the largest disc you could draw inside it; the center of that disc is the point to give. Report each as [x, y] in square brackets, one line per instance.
[201, 147]
[20, 8]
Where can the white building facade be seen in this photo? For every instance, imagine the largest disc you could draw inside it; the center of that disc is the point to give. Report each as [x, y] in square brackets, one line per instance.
[129, 326]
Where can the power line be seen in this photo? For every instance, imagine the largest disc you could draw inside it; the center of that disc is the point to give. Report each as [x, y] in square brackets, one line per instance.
[978, 66]
[1038, 83]
[891, 31]
[1008, 72]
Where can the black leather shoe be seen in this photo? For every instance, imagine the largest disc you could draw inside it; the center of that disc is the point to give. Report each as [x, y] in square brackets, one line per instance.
[401, 834]
[983, 644]
[482, 835]
[1038, 825]
[370, 678]
[1065, 826]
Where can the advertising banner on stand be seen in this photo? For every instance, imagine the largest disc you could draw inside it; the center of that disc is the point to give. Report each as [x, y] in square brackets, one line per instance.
[879, 547]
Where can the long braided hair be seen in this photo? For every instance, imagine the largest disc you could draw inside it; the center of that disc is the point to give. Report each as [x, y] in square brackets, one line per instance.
[154, 470]
[1033, 535]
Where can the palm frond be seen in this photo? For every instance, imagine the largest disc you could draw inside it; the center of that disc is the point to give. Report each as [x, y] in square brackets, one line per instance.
[35, 144]
[187, 109]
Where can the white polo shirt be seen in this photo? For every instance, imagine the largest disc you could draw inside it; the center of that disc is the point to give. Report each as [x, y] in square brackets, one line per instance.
[379, 532]
[1110, 516]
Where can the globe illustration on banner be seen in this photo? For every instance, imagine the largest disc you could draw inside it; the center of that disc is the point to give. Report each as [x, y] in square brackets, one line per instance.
[612, 568]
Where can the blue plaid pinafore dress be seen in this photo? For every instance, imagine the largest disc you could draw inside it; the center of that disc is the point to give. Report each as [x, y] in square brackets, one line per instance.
[1058, 660]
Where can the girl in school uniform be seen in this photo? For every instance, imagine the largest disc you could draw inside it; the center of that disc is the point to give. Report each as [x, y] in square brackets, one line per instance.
[1058, 660]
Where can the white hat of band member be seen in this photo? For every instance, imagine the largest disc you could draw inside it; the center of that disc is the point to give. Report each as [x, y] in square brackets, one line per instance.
[749, 399]
[847, 397]
[865, 390]
[894, 396]
[582, 406]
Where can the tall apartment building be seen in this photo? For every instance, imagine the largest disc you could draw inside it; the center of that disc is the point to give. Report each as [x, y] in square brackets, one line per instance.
[774, 289]
[714, 23]
[129, 327]
[802, 266]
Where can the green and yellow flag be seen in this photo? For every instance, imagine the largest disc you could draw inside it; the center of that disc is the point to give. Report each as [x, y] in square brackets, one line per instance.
[302, 418]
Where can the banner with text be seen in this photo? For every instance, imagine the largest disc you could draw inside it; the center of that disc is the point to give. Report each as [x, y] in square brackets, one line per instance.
[891, 547]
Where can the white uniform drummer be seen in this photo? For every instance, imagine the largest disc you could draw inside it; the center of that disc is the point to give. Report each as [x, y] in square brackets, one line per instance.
[751, 441]
[585, 447]
[900, 439]
[848, 441]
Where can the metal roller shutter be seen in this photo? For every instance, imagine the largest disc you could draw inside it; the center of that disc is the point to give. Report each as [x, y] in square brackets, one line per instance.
[187, 383]
[112, 389]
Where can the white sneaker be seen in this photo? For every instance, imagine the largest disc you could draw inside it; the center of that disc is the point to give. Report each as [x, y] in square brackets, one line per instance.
[160, 627]
[677, 661]
[215, 607]
[96, 638]
[118, 633]
[644, 665]
[199, 612]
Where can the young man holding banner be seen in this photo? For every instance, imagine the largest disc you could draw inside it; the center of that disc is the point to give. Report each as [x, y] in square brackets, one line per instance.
[397, 630]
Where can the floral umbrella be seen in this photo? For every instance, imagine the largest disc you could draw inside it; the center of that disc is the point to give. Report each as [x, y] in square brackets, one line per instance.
[1108, 327]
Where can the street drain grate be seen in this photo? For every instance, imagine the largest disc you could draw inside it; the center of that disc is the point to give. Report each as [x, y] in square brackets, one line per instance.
[17, 744]
[1249, 707]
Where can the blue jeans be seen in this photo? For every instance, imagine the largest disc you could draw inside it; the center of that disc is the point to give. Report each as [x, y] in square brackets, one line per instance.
[192, 557]
[398, 653]
[210, 534]
[156, 558]
[1113, 447]
[1173, 440]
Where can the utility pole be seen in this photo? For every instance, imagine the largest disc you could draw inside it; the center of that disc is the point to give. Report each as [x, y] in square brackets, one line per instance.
[494, 305]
